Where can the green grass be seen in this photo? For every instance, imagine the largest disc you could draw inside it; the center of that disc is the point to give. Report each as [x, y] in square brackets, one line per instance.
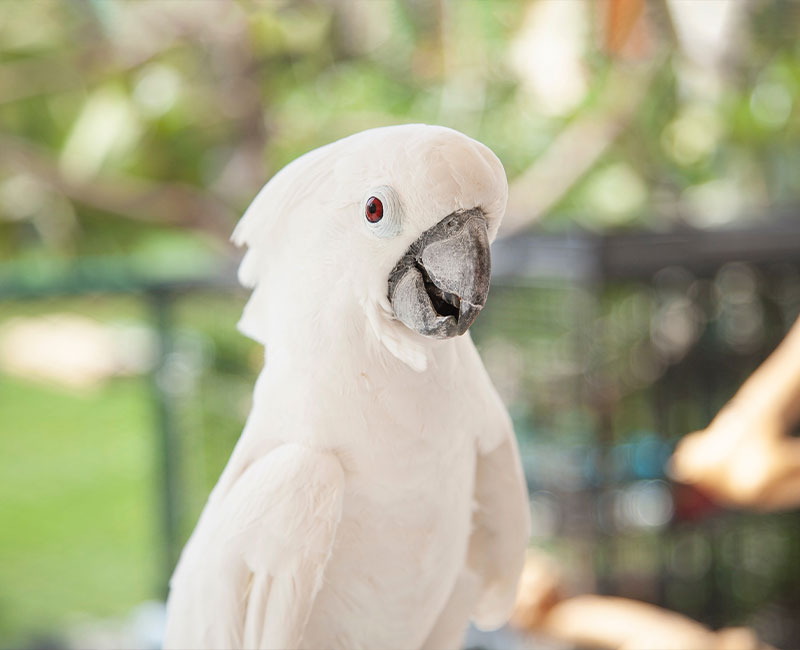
[78, 504]
[80, 500]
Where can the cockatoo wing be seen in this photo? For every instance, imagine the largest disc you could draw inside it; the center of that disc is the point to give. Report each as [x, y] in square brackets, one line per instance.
[501, 521]
[249, 575]
[501, 531]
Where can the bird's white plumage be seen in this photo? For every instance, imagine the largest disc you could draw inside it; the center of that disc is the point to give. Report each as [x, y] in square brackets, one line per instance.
[375, 498]
[259, 554]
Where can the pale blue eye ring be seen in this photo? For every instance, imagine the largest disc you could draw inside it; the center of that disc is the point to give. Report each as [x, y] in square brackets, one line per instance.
[390, 224]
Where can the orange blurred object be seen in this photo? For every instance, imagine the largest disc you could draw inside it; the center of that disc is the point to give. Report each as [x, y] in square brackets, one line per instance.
[626, 34]
[609, 622]
[746, 457]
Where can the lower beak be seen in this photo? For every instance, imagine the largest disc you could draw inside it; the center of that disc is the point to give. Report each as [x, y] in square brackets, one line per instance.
[440, 285]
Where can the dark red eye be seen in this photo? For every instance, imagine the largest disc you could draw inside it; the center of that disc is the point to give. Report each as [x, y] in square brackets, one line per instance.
[374, 211]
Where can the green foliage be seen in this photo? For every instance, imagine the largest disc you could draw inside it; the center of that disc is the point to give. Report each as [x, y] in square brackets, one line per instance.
[219, 99]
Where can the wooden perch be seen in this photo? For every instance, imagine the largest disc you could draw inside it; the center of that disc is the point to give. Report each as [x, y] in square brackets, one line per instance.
[609, 622]
[747, 457]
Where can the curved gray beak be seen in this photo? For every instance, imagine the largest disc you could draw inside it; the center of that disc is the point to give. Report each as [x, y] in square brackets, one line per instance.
[440, 285]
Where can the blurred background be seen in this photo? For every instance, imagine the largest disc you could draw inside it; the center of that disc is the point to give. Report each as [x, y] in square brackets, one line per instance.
[649, 261]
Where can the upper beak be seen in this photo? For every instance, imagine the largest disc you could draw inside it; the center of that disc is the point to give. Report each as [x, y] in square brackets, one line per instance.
[440, 285]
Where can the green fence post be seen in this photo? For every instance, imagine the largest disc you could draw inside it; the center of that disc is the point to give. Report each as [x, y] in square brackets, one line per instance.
[168, 443]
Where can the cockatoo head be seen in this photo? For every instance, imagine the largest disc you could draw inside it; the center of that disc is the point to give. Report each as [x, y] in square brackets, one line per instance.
[392, 223]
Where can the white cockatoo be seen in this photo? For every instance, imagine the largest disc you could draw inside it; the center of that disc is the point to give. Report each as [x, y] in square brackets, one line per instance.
[375, 498]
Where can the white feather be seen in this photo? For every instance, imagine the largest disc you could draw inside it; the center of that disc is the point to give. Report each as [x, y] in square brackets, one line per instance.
[430, 494]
